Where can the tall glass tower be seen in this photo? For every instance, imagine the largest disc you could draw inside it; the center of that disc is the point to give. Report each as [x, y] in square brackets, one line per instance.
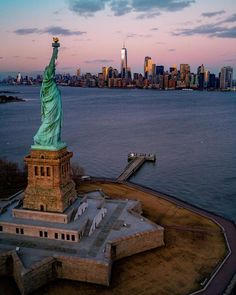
[226, 77]
[123, 62]
[147, 67]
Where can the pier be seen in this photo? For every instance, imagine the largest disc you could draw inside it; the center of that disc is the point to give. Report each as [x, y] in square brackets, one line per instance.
[135, 163]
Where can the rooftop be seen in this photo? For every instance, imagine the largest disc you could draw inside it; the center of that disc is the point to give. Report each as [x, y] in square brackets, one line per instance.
[120, 221]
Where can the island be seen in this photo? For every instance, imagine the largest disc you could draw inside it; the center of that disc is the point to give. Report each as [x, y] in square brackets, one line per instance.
[5, 99]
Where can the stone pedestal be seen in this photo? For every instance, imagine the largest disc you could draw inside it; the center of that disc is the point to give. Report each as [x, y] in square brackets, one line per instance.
[50, 187]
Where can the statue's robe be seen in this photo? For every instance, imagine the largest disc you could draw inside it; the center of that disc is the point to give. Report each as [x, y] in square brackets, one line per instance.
[49, 133]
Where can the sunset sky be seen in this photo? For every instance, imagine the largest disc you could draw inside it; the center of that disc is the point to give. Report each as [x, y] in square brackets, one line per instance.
[92, 33]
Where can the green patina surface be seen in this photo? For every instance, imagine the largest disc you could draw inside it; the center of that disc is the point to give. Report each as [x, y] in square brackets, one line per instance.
[48, 137]
[59, 146]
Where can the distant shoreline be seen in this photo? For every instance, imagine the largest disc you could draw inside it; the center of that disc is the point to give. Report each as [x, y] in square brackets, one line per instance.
[6, 99]
[8, 92]
[125, 88]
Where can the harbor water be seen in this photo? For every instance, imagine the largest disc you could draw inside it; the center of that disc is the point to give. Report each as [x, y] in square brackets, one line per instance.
[191, 132]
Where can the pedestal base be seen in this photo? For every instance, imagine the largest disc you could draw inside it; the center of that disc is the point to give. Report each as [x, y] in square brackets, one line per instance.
[50, 187]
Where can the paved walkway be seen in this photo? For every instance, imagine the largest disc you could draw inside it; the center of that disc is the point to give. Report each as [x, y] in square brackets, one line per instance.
[32, 243]
[106, 229]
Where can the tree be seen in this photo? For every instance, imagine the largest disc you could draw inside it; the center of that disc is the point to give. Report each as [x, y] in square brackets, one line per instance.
[12, 178]
[76, 173]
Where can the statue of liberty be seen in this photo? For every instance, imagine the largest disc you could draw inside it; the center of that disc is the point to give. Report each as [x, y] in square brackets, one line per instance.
[48, 136]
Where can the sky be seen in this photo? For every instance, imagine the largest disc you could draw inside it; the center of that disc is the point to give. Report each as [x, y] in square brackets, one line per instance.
[92, 33]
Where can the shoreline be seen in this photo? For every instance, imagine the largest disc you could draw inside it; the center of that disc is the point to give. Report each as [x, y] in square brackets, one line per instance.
[107, 179]
[125, 88]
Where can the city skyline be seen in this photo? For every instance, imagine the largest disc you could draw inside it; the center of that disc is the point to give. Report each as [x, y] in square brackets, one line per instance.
[153, 77]
[92, 34]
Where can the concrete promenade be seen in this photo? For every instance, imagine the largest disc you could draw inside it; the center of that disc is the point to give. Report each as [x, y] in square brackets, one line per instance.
[223, 274]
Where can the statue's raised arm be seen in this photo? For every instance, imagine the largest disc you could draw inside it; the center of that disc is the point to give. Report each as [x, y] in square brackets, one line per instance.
[50, 69]
[49, 133]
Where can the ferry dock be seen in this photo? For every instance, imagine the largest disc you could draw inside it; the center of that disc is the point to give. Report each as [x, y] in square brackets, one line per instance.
[135, 163]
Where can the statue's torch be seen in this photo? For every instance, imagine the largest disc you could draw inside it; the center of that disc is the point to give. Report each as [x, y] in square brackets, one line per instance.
[55, 43]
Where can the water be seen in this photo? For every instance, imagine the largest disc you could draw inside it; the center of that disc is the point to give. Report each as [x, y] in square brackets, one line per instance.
[192, 133]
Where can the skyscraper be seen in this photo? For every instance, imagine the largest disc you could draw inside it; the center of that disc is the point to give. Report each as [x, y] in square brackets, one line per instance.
[206, 78]
[159, 70]
[147, 66]
[201, 69]
[184, 71]
[185, 74]
[18, 78]
[154, 76]
[212, 81]
[78, 72]
[226, 77]
[123, 62]
[105, 73]
[200, 73]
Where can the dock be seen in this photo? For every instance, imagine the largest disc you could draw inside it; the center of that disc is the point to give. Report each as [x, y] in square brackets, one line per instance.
[135, 163]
